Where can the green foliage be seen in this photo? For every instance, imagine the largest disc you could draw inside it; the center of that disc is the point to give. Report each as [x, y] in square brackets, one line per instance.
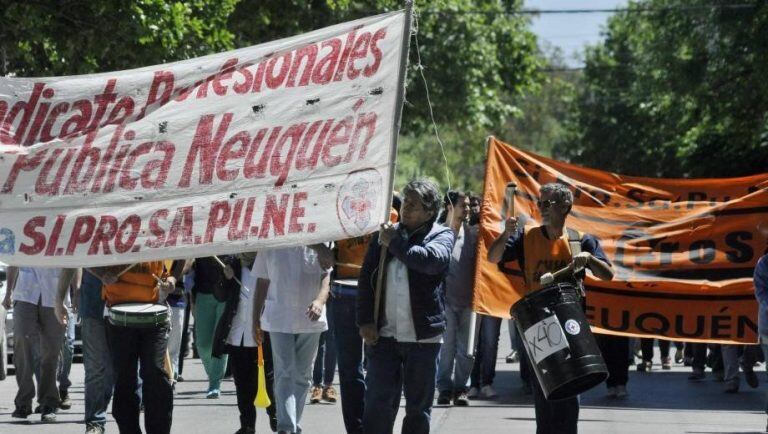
[76, 37]
[677, 92]
[544, 109]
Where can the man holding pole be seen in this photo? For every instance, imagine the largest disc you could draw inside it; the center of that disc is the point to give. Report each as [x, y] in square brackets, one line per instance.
[404, 329]
[544, 250]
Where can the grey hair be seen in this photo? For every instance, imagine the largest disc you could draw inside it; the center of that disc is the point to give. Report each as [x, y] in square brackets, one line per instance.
[427, 191]
[560, 192]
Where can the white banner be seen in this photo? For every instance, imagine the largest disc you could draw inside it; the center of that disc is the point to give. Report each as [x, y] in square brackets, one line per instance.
[285, 143]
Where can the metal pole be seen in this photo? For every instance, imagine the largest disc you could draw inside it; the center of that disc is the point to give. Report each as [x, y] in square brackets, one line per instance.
[393, 151]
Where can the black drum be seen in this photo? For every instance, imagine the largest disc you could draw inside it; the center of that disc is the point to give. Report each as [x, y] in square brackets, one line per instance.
[559, 342]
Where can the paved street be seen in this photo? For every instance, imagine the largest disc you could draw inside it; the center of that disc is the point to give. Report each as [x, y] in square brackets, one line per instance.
[659, 402]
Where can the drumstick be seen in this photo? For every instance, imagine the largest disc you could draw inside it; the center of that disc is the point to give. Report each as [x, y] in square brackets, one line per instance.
[125, 270]
[509, 199]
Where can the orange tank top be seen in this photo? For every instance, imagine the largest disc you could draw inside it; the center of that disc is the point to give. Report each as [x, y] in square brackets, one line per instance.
[136, 285]
[543, 255]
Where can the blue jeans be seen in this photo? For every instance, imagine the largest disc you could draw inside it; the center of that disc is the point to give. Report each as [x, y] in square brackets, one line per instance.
[99, 378]
[390, 365]
[484, 370]
[325, 361]
[454, 351]
[292, 357]
[349, 351]
[65, 357]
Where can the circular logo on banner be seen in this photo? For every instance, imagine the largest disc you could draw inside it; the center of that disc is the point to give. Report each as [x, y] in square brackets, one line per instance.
[572, 327]
[359, 201]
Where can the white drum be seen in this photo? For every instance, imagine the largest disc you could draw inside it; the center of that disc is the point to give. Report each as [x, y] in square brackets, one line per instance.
[138, 315]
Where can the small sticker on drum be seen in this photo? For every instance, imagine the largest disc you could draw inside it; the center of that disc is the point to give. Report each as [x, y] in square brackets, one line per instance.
[572, 327]
[545, 338]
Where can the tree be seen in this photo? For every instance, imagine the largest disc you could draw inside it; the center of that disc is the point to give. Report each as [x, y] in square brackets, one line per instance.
[45, 37]
[676, 90]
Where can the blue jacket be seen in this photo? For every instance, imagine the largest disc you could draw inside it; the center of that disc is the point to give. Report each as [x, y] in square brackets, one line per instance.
[426, 254]
[761, 293]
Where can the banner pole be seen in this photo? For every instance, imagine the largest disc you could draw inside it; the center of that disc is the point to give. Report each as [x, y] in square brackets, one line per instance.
[393, 151]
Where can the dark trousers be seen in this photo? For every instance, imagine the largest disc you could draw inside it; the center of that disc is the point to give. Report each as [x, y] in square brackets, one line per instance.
[349, 352]
[390, 365]
[646, 347]
[484, 370]
[615, 350]
[184, 335]
[244, 364]
[701, 359]
[325, 361]
[553, 417]
[145, 347]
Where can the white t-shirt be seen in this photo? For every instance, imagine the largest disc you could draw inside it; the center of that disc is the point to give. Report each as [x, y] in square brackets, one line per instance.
[295, 275]
[37, 285]
[398, 316]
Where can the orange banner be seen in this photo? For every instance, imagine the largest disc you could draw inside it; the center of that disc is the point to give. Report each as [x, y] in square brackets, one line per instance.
[683, 250]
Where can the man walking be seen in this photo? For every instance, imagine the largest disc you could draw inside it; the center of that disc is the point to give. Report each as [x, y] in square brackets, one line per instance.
[543, 249]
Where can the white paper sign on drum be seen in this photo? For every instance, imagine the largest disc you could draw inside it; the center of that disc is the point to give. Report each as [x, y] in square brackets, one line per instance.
[545, 338]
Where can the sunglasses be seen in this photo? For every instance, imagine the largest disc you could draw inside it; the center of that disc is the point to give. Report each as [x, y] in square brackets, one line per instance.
[544, 204]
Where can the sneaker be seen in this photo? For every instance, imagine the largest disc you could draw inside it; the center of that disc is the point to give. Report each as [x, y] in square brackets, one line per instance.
[751, 379]
[329, 394]
[213, 394]
[460, 399]
[732, 385]
[696, 375]
[679, 356]
[666, 363]
[65, 403]
[444, 397]
[473, 393]
[21, 412]
[621, 391]
[48, 414]
[94, 429]
[513, 357]
[315, 395]
[488, 392]
[612, 392]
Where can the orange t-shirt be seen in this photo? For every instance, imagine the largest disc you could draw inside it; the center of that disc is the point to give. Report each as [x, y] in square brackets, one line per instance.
[543, 255]
[137, 285]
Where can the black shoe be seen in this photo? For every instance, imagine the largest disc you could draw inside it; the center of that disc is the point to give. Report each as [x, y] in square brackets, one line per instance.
[273, 423]
[246, 430]
[180, 379]
[460, 399]
[698, 374]
[38, 409]
[444, 398]
[65, 403]
[47, 414]
[21, 412]
[751, 378]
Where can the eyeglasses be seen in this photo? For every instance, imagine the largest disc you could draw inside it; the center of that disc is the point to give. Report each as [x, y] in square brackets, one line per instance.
[544, 204]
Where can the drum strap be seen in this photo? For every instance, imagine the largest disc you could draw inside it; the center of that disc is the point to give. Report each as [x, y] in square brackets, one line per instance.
[574, 242]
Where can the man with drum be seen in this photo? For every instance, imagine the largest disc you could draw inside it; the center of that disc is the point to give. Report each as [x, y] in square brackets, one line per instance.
[138, 333]
[543, 250]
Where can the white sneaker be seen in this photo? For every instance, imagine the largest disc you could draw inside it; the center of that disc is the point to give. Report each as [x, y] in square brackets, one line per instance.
[488, 392]
[621, 391]
[612, 392]
[473, 393]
